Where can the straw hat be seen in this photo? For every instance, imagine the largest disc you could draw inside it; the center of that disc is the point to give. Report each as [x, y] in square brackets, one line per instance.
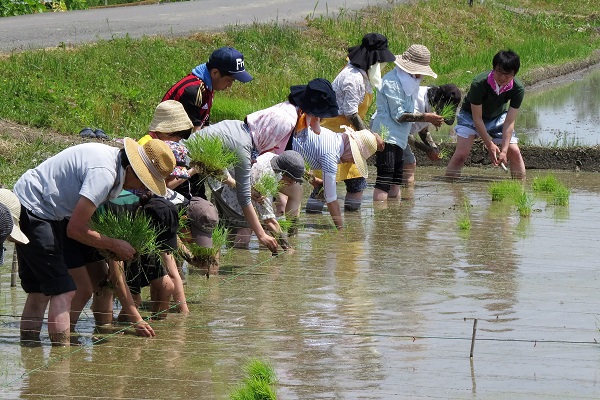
[151, 162]
[416, 61]
[363, 145]
[170, 116]
[10, 200]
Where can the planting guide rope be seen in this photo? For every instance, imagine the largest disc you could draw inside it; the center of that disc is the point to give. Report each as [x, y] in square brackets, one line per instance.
[248, 269]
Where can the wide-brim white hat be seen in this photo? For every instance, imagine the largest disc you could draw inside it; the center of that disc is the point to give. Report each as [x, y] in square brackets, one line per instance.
[11, 201]
[416, 61]
[363, 145]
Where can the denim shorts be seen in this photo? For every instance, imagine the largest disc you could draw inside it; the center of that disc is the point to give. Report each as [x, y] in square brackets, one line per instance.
[465, 127]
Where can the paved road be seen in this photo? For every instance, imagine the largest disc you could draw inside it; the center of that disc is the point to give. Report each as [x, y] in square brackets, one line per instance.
[168, 19]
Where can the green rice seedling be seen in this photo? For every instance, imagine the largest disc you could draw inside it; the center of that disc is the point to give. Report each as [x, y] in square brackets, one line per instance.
[267, 185]
[219, 239]
[258, 384]
[385, 133]
[561, 196]
[547, 183]
[505, 189]
[209, 155]
[134, 228]
[447, 112]
[464, 219]
[524, 203]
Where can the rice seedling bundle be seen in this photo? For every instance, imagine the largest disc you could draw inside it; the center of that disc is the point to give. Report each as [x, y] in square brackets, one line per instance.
[209, 155]
[505, 189]
[134, 228]
[219, 239]
[448, 112]
[258, 383]
[267, 185]
[524, 203]
[546, 183]
[561, 196]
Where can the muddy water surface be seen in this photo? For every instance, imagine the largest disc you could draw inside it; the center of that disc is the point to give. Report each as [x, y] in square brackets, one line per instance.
[381, 310]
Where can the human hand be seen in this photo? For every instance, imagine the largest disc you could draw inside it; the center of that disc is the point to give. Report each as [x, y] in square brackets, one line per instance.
[502, 158]
[434, 154]
[434, 119]
[493, 151]
[256, 196]
[269, 242]
[143, 328]
[122, 250]
[380, 142]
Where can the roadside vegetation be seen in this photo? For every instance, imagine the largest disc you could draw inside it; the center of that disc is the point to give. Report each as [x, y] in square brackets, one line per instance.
[116, 84]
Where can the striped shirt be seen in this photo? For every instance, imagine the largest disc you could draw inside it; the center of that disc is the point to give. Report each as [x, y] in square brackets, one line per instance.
[322, 152]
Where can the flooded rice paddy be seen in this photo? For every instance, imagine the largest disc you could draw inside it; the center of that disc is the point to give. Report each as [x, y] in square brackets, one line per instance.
[564, 112]
[383, 309]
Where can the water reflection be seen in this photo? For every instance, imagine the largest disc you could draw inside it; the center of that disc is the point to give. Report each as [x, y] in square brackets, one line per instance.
[562, 114]
[380, 310]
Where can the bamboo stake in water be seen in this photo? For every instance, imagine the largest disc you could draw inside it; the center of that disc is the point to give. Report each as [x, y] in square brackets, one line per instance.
[473, 338]
[13, 272]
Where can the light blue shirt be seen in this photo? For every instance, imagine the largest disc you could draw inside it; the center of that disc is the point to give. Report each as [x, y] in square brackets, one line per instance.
[52, 189]
[392, 102]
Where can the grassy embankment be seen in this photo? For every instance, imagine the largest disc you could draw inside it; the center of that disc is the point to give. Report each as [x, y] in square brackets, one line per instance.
[116, 84]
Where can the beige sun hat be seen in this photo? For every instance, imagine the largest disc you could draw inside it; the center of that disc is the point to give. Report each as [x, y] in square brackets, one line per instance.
[152, 162]
[416, 61]
[10, 200]
[170, 116]
[363, 145]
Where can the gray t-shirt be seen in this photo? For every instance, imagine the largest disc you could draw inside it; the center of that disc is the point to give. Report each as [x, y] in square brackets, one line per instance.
[52, 189]
[236, 138]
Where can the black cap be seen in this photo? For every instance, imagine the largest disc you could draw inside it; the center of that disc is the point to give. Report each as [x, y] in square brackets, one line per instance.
[230, 60]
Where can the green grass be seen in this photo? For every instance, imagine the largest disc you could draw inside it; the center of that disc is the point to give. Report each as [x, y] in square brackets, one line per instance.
[505, 189]
[258, 383]
[65, 89]
[209, 156]
[267, 185]
[136, 229]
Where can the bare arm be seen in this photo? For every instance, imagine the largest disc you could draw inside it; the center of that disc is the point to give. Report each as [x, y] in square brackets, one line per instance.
[336, 214]
[476, 113]
[507, 132]
[255, 225]
[115, 273]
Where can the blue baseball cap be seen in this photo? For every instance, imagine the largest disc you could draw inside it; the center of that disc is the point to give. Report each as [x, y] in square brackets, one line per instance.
[230, 60]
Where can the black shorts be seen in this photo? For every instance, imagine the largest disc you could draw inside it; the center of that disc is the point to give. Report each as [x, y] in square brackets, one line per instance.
[42, 266]
[355, 185]
[390, 162]
[77, 254]
[140, 273]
